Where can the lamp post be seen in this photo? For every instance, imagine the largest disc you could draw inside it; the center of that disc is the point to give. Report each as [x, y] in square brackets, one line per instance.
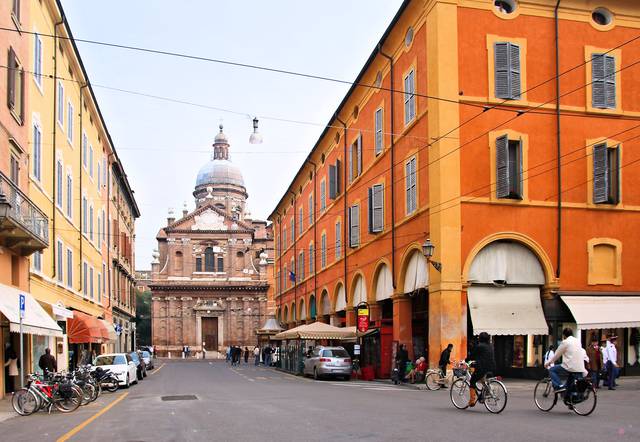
[255, 137]
[427, 250]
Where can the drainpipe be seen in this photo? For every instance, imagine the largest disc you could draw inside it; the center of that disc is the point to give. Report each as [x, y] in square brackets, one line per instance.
[558, 139]
[53, 153]
[393, 180]
[80, 188]
[315, 232]
[295, 257]
[344, 205]
[108, 224]
[279, 246]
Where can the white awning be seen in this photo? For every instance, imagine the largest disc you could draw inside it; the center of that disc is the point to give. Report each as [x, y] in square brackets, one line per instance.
[36, 320]
[384, 284]
[341, 302]
[506, 310]
[592, 312]
[359, 292]
[417, 274]
[61, 313]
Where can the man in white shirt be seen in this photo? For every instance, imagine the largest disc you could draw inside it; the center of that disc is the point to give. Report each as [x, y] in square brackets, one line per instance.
[610, 358]
[573, 358]
[549, 355]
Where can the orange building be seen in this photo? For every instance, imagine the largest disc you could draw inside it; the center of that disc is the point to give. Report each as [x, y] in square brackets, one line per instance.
[504, 132]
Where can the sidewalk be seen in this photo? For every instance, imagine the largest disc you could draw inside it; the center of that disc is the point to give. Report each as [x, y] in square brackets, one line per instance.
[6, 410]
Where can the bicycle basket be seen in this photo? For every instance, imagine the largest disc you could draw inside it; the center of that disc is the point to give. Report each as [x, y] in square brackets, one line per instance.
[65, 390]
[581, 385]
[459, 372]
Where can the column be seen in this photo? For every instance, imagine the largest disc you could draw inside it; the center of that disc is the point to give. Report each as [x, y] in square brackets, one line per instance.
[351, 317]
[402, 322]
[375, 313]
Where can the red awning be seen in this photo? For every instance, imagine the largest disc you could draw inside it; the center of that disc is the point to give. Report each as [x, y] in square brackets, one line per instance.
[83, 329]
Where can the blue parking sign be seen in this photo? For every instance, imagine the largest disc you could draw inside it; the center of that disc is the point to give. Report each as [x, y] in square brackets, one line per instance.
[22, 305]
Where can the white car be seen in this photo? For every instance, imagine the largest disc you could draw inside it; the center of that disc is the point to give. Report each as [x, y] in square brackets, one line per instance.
[121, 365]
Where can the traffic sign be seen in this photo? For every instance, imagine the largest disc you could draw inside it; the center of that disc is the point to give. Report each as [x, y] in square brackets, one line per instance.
[22, 305]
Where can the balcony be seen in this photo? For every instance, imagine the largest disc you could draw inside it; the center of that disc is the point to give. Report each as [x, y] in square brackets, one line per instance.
[24, 228]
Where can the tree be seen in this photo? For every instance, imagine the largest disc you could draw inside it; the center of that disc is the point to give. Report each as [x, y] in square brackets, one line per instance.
[143, 317]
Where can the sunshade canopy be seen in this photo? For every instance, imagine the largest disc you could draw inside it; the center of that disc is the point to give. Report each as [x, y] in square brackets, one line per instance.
[317, 330]
[83, 328]
[111, 331]
[593, 312]
[36, 321]
[506, 310]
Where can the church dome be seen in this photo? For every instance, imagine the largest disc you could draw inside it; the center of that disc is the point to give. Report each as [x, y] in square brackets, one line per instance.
[219, 172]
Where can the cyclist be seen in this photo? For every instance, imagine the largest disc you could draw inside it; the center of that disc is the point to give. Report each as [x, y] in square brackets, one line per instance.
[484, 362]
[573, 359]
[444, 360]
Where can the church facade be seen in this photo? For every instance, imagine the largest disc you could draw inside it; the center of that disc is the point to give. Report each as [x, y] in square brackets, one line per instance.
[210, 275]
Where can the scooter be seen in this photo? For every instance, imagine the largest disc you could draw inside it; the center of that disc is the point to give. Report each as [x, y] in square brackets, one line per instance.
[107, 380]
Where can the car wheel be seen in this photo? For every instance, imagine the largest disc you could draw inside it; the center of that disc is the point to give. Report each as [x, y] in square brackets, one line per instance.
[139, 375]
[144, 375]
[315, 373]
[128, 382]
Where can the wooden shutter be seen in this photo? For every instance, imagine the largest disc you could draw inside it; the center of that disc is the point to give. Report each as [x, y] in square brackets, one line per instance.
[600, 174]
[610, 81]
[598, 94]
[354, 226]
[502, 167]
[376, 204]
[11, 79]
[407, 172]
[502, 71]
[379, 131]
[359, 153]
[351, 166]
[614, 175]
[514, 71]
[332, 181]
[370, 209]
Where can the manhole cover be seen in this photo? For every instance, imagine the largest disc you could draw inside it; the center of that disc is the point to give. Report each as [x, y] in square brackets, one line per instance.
[184, 397]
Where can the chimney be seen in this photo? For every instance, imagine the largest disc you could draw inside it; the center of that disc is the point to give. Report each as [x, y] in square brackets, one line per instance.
[171, 217]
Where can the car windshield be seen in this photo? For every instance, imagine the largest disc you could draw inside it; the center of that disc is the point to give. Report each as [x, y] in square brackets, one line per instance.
[110, 360]
[335, 353]
[134, 356]
[146, 354]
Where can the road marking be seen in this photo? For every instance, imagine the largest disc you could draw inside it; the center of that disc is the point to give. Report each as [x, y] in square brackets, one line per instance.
[75, 430]
[158, 369]
[251, 380]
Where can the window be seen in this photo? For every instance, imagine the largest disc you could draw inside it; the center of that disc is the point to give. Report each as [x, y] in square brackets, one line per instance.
[104, 233]
[69, 196]
[285, 277]
[508, 168]
[602, 16]
[37, 261]
[606, 174]
[220, 264]
[84, 215]
[505, 6]
[99, 174]
[376, 208]
[90, 160]
[178, 266]
[70, 122]
[334, 180]
[323, 194]
[311, 209]
[323, 250]
[99, 287]
[292, 276]
[60, 107]
[354, 226]
[278, 282]
[293, 229]
[85, 143]
[91, 282]
[198, 264]
[59, 189]
[507, 70]
[355, 159]
[37, 152]
[605, 261]
[411, 188]
[284, 237]
[300, 221]
[91, 222]
[311, 259]
[59, 262]
[15, 86]
[409, 97]
[99, 227]
[37, 59]
[104, 278]
[603, 77]
[301, 266]
[14, 165]
[379, 134]
[69, 268]
[338, 244]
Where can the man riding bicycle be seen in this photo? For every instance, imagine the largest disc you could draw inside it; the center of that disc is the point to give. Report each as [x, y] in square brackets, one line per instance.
[573, 358]
[484, 362]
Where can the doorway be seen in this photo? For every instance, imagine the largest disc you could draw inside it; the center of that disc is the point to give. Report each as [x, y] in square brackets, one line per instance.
[210, 333]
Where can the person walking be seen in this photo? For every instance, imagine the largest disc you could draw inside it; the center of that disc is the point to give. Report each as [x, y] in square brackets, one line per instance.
[402, 357]
[595, 361]
[610, 357]
[445, 359]
[228, 353]
[246, 355]
[47, 362]
[11, 366]
[256, 355]
[267, 356]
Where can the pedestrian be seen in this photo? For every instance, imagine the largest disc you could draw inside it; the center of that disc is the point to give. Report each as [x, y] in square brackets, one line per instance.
[256, 355]
[610, 357]
[402, 357]
[47, 362]
[204, 352]
[445, 359]
[267, 356]
[246, 355]
[11, 366]
[235, 359]
[595, 361]
[549, 355]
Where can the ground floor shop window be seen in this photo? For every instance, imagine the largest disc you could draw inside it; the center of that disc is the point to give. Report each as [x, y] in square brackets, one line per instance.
[38, 346]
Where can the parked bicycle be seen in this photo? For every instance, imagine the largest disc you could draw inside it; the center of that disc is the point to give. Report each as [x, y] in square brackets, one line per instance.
[493, 393]
[578, 395]
[436, 379]
[40, 393]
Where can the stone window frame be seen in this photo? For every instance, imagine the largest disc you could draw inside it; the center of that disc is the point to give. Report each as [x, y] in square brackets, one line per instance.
[592, 279]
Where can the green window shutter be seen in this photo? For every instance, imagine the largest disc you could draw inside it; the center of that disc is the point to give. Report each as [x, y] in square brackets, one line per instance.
[354, 226]
[600, 174]
[333, 181]
[610, 81]
[370, 209]
[514, 71]
[501, 66]
[502, 167]
[598, 93]
[11, 79]
[359, 153]
[407, 172]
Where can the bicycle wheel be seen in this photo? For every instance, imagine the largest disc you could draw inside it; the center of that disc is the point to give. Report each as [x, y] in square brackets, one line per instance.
[584, 403]
[67, 404]
[96, 391]
[459, 394]
[432, 381]
[87, 393]
[544, 396]
[24, 402]
[495, 396]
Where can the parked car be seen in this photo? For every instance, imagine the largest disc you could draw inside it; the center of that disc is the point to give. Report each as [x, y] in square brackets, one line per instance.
[122, 365]
[329, 362]
[148, 360]
[141, 368]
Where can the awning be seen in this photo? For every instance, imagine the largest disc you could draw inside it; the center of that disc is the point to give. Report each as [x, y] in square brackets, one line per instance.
[592, 312]
[111, 331]
[317, 330]
[506, 310]
[417, 273]
[36, 320]
[85, 329]
[61, 313]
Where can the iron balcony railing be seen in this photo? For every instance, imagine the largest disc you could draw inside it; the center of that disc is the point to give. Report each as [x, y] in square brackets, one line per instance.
[23, 211]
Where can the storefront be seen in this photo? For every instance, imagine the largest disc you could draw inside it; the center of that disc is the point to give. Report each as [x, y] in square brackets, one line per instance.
[85, 334]
[599, 316]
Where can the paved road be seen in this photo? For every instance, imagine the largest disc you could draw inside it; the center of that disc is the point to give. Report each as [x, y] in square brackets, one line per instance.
[258, 404]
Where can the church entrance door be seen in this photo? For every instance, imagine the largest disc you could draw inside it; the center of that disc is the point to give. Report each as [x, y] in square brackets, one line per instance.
[210, 333]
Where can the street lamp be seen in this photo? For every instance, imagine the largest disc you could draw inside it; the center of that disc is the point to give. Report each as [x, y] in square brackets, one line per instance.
[256, 137]
[427, 250]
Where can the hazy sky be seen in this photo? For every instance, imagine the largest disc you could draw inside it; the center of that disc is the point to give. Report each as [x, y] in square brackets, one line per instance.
[163, 144]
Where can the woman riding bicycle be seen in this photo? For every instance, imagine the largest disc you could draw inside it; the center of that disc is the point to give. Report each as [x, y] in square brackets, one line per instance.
[484, 362]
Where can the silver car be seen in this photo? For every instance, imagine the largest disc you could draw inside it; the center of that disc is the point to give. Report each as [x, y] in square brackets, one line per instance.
[328, 361]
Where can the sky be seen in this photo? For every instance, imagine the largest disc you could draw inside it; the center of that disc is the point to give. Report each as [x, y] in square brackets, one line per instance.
[163, 144]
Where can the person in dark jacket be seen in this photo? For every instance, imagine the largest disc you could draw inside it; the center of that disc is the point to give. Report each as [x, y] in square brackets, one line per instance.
[445, 357]
[402, 357]
[246, 355]
[484, 362]
[47, 362]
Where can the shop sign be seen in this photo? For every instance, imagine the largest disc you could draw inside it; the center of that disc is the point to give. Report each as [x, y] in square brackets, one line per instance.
[363, 318]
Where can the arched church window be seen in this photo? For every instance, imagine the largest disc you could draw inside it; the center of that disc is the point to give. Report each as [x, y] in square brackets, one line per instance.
[209, 264]
[178, 263]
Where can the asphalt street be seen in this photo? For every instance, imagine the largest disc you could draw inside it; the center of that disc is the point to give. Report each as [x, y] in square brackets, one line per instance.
[250, 403]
